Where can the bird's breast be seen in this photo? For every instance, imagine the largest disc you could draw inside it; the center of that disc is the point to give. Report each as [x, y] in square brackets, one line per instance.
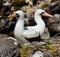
[19, 28]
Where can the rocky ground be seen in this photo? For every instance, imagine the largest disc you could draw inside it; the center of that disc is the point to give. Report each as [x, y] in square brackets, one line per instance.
[12, 48]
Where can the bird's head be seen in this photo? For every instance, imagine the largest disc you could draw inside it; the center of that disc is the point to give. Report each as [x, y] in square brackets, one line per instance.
[18, 14]
[41, 12]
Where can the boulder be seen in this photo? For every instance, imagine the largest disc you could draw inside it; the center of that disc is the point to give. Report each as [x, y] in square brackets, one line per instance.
[7, 47]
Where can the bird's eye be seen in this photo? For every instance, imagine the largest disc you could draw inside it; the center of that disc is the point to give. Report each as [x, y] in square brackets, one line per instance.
[17, 15]
[42, 13]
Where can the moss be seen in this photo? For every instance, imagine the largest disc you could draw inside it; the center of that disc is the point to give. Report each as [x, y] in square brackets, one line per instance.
[24, 51]
[19, 3]
[44, 6]
[53, 0]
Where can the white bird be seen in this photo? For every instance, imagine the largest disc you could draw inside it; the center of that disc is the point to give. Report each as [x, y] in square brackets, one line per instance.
[21, 32]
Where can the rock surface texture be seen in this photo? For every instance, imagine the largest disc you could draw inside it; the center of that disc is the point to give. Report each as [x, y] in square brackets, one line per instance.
[7, 47]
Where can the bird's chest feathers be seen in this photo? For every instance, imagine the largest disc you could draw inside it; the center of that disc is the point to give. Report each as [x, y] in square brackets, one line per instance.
[19, 26]
[40, 24]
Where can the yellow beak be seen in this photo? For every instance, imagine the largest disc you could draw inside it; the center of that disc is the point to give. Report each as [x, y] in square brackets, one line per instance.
[12, 16]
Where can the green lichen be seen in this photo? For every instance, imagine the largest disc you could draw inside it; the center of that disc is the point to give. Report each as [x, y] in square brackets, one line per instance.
[18, 3]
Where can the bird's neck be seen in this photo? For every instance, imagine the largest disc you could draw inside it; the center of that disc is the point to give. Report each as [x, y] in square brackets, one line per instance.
[19, 28]
[39, 20]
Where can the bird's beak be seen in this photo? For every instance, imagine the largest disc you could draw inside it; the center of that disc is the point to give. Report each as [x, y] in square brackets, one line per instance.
[47, 14]
[12, 16]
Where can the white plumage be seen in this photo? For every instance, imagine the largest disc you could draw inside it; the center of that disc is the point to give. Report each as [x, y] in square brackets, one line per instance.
[22, 32]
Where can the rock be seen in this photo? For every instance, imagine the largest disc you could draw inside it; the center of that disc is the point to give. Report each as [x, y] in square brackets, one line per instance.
[57, 16]
[47, 1]
[37, 54]
[46, 35]
[47, 54]
[53, 25]
[55, 39]
[6, 25]
[0, 4]
[7, 47]
[54, 8]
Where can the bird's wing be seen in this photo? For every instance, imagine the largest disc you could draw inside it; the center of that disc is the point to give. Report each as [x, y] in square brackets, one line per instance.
[30, 33]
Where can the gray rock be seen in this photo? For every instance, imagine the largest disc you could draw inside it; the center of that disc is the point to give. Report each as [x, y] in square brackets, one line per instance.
[47, 54]
[7, 47]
